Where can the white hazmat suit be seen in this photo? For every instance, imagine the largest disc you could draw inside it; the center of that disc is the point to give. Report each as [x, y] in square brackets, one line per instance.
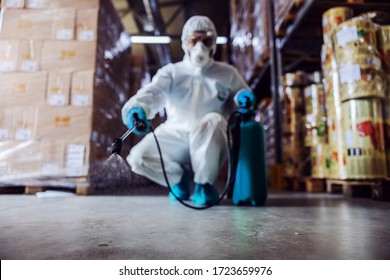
[198, 97]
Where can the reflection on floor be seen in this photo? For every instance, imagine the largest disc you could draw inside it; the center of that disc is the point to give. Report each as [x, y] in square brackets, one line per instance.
[289, 226]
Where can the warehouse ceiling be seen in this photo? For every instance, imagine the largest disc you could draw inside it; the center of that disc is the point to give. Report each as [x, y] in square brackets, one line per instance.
[167, 17]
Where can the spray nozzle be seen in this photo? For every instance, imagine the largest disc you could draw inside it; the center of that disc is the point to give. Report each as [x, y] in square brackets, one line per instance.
[116, 146]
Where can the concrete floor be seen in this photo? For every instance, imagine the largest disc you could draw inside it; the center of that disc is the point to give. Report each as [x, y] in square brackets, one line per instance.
[290, 226]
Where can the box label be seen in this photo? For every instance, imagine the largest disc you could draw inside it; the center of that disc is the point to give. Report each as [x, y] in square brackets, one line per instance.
[349, 73]
[348, 138]
[7, 66]
[37, 4]
[75, 159]
[50, 169]
[346, 36]
[23, 134]
[64, 34]
[74, 171]
[80, 100]
[85, 35]
[3, 134]
[56, 100]
[14, 3]
[29, 66]
[76, 150]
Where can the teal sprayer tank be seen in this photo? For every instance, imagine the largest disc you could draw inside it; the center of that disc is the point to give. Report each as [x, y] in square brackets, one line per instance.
[251, 176]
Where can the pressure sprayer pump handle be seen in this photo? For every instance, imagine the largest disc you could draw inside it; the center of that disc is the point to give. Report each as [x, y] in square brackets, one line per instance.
[139, 124]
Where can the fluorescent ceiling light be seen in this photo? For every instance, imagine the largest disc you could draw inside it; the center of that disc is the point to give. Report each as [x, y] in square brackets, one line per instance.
[165, 40]
[221, 40]
[150, 39]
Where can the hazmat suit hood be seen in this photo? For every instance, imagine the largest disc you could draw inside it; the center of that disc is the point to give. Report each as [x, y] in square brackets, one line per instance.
[202, 24]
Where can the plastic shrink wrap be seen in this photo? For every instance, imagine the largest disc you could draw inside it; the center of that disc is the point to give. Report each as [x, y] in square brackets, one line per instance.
[353, 65]
[250, 32]
[64, 76]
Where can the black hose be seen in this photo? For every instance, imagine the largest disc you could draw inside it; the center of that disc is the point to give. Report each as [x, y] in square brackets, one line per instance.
[233, 150]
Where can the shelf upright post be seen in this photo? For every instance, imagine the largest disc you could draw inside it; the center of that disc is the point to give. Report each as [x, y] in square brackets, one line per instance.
[275, 68]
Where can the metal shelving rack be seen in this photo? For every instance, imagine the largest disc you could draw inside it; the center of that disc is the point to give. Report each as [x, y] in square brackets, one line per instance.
[299, 49]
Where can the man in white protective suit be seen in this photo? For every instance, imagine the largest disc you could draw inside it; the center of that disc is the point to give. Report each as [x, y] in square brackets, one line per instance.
[198, 95]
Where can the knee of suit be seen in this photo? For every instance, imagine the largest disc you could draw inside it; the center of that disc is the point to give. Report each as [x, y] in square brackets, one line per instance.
[135, 160]
[212, 120]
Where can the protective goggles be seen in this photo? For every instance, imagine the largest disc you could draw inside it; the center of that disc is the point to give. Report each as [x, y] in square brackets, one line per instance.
[203, 37]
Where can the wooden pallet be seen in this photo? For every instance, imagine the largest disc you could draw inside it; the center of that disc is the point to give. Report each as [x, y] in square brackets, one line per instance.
[11, 190]
[333, 187]
[315, 185]
[353, 188]
[381, 191]
[77, 185]
[297, 184]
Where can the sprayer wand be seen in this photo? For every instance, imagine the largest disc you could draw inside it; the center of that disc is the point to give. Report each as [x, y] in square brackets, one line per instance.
[116, 146]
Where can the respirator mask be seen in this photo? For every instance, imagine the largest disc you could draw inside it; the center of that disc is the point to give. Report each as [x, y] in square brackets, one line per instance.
[200, 44]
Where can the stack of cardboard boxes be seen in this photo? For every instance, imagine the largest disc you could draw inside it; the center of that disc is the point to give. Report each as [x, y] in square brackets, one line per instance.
[64, 76]
[315, 126]
[293, 106]
[250, 35]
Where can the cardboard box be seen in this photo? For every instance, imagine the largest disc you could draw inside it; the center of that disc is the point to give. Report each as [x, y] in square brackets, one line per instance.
[58, 24]
[24, 123]
[76, 157]
[22, 23]
[23, 88]
[29, 56]
[87, 24]
[58, 88]
[8, 55]
[53, 156]
[64, 24]
[82, 88]
[20, 160]
[12, 3]
[50, 4]
[70, 55]
[87, 131]
[64, 122]
[34, 158]
[24, 152]
[6, 122]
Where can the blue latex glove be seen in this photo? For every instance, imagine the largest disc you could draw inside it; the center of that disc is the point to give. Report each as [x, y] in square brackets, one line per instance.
[137, 116]
[245, 99]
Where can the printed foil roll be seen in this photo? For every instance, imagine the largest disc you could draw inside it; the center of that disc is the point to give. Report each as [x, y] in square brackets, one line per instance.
[362, 132]
[384, 46]
[360, 72]
[355, 30]
[315, 119]
[332, 18]
[293, 108]
[320, 161]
